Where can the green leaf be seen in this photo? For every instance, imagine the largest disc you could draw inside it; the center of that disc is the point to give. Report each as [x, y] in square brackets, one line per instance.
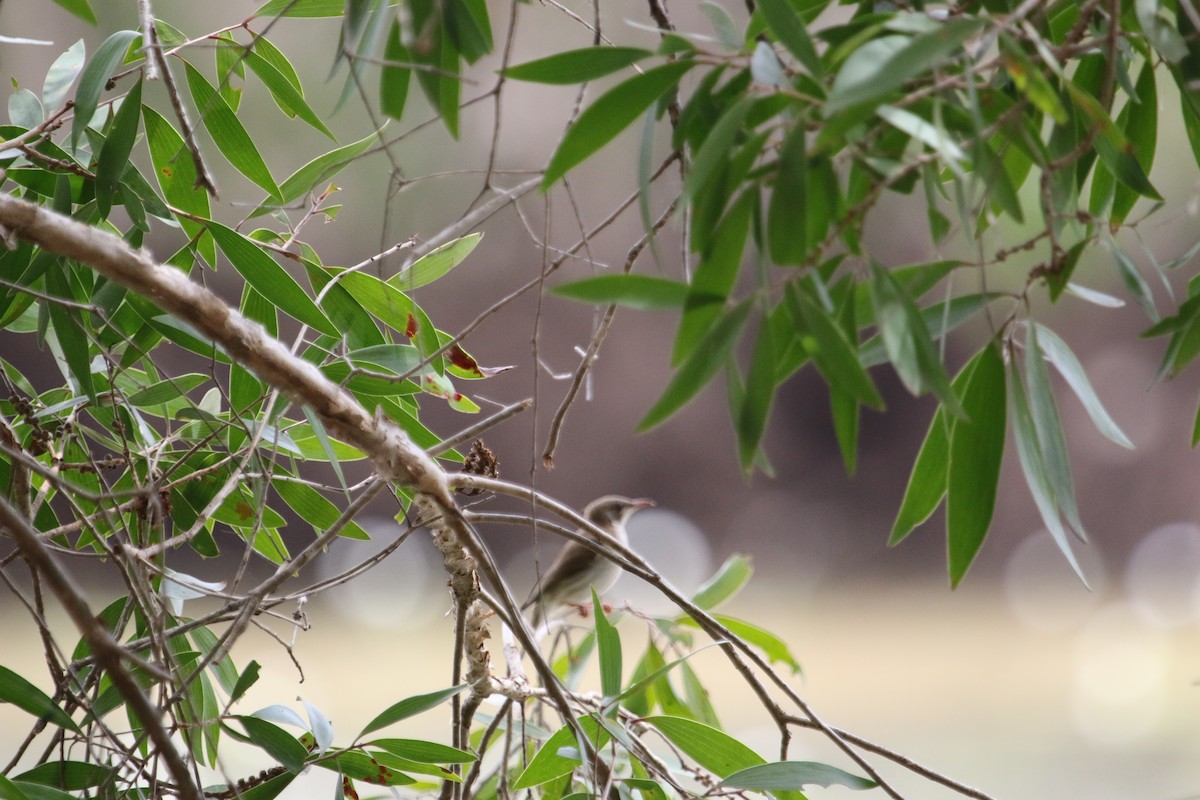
[287, 95]
[612, 112]
[176, 176]
[424, 752]
[114, 154]
[714, 277]
[9, 790]
[271, 280]
[831, 350]
[1114, 149]
[435, 264]
[927, 482]
[794, 776]
[713, 154]
[61, 75]
[278, 743]
[1048, 425]
[773, 647]
[577, 66]
[700, 366]
[394, 74]
[70, 331]
[790, 31]
[72, 776]
[308, 9]
[976, 450]
[906, 339]
[939, 318]
[1059, 354]
[1029, 81]
[319, 170]
[608, 643]
[1162, 37]
[227, 132]
[885, 64]
[79, 8]
[410, 706]
[94, 78]
[643, 292]
[725, 583]
[27, 697]
[755, 408]
[314, 508]
[248, 678]
[1139, 121]
[714, 750]
[165, 391]
[1034, 467]
[549, 762]
[787, 239]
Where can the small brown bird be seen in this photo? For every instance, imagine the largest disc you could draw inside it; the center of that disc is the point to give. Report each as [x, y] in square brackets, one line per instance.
[576, 570]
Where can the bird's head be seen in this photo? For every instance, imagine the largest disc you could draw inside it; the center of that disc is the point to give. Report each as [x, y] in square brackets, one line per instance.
[612, 510]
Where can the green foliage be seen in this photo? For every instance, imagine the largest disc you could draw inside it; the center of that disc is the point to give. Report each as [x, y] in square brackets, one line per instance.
[789, 126]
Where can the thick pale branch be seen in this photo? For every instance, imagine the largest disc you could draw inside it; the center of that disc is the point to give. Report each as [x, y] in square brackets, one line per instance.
[394, 455]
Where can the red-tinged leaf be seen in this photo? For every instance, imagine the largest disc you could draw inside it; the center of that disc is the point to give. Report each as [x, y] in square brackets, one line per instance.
[976, 450]
[411, 329]
[612, 113]
[464, 365]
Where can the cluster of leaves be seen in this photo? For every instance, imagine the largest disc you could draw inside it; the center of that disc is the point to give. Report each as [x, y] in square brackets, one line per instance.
[128, 450]
[794, 129]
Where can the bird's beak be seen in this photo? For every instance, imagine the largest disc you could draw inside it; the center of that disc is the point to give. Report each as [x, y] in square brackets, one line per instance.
[642, 502]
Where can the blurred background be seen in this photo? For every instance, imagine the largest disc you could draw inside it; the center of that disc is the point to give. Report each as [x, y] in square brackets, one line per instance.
[1021, 682]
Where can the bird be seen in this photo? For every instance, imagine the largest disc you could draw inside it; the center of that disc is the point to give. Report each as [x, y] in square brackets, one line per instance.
[576, 570]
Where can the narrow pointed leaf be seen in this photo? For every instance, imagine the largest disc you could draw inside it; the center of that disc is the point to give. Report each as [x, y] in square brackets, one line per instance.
[436, 263]
[835, 356]
[644, 292]
[790, 31]
[608, 645]
[787, 232]
[612, 113]
[94, 78]
[976, 450]
[1048, 425]
[1059, 354]
[114, 155]
[577, 66]
[794, 776]
[714, 750]
[27, 697]
[708, 356]
[227, 132]
[559, 755]
[727, 582]
[271, 280]
[1111, 145]
[409, 707]
[286, 95]
[1034, 468]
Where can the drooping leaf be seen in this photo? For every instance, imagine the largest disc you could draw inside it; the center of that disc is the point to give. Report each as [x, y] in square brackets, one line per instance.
[27, 697]
[610, 114]
[114, 155]
[61, 75]
[560, 754]
[1058, 353]
[787, 239]
[976, 450]
[94, 78]
[700, 366]
[79, 8]
[789, 28]
[831, 350]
